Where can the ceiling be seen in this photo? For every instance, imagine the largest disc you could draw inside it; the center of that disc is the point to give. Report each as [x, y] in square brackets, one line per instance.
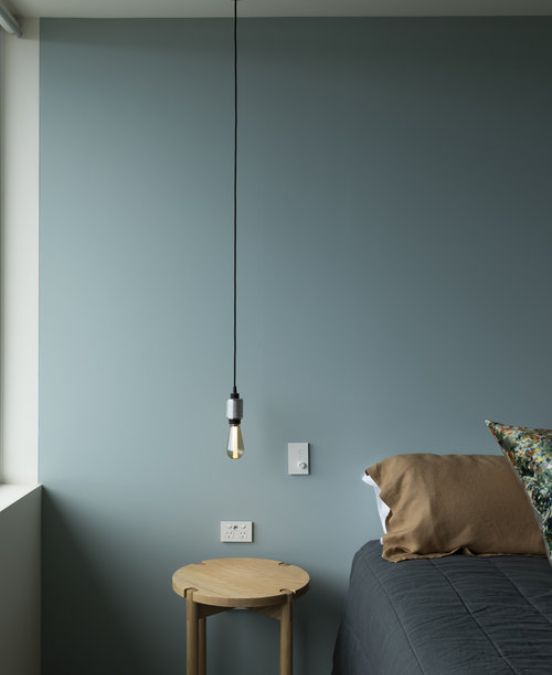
[267, 8]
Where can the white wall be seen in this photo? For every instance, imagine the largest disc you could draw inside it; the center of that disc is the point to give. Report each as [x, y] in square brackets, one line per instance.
[19, 256]
[20, 586]
[20, 501]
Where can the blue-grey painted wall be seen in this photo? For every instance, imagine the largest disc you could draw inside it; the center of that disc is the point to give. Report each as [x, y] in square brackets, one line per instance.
[395, 278]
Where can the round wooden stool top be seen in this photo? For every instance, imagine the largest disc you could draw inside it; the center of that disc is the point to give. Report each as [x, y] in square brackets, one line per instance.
[240, 582]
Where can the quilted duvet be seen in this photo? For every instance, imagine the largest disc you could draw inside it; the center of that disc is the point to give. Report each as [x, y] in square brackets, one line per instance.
[457, 615]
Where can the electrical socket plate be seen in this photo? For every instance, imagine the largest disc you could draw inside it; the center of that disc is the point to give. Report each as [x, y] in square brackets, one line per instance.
[237, 531]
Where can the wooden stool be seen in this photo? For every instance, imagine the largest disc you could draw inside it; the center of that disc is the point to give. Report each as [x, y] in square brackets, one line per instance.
[214, 586]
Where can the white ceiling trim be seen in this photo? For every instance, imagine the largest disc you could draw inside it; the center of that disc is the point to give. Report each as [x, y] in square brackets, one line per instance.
[276, 8]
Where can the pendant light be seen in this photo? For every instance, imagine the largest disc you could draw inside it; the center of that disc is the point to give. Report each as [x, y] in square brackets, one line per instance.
[234, 405]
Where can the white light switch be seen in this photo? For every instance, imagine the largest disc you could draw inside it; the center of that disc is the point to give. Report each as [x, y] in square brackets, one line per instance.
[298, 459]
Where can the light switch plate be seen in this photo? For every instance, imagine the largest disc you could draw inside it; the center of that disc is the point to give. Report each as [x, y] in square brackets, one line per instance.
[298, 459]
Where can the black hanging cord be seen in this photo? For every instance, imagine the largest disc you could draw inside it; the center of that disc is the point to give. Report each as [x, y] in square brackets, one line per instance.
[235, 182]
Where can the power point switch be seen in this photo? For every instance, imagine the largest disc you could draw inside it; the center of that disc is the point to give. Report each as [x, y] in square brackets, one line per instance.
[237, 531]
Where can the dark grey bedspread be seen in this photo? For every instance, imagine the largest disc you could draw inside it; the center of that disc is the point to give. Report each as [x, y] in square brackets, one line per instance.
[447, 616]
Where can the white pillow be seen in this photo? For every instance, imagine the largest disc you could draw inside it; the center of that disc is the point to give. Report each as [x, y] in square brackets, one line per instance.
[383, 509]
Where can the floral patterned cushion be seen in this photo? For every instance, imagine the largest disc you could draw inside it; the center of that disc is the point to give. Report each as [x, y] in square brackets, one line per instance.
[530, 452]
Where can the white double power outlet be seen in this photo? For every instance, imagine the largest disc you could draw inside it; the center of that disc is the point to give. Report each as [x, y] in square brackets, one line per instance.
[237, 531]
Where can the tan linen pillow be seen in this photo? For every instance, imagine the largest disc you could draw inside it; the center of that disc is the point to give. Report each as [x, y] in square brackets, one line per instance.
[441, 504]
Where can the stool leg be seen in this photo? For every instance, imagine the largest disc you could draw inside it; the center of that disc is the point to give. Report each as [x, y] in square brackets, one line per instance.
[286, 636]
[191, 635]
[202, 646]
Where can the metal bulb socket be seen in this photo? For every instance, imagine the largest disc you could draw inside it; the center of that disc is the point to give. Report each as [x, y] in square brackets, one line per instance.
[234, 414]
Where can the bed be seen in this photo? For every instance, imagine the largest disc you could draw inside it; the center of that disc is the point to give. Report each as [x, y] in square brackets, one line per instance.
[455, 615]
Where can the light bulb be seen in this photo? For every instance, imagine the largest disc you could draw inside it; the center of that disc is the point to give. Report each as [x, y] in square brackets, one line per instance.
[235, 447]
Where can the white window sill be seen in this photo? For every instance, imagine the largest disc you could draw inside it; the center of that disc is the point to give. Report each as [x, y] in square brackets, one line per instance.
[9, 494]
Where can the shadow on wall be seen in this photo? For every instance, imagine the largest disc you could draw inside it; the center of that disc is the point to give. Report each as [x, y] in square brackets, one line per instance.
[82, 628]
[89, 627]
[322, 605]
[248, 643]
